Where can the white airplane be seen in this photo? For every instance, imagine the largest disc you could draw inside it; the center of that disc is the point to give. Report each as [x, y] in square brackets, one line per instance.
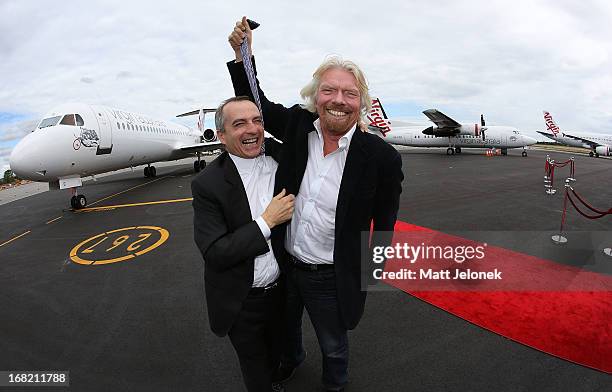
[598, 143]
[445, 133]
[79, 140]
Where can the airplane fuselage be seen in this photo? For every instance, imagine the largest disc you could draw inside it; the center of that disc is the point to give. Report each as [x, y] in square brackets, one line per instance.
[77, 140]
[495, 137]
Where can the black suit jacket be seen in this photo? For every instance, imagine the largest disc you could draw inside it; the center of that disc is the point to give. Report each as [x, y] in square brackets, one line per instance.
[228, 238]
[369, 192]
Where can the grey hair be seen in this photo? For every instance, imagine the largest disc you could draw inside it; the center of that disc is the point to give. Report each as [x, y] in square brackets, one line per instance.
[220, 118]
[309, 92]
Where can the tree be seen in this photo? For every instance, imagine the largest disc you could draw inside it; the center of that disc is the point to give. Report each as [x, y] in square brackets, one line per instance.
[9, 176]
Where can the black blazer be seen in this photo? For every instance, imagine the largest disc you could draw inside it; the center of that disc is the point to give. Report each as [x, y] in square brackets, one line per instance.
[369, 192]
[228, 238]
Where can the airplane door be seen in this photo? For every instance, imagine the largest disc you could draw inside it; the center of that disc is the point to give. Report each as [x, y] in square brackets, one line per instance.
[105, 145]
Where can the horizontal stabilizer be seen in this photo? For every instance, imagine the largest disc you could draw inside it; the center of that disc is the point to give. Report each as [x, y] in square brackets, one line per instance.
[197, 111]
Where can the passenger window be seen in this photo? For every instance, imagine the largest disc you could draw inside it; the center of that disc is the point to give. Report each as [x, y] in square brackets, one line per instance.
[68, 120]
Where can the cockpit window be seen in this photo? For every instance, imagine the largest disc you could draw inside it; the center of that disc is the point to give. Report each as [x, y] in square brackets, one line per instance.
[68, 120]
[49, 122]
[79, 120]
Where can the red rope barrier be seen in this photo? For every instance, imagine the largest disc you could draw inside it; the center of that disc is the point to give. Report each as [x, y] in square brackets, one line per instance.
[582, 213]
[587, 205]
[562, 164]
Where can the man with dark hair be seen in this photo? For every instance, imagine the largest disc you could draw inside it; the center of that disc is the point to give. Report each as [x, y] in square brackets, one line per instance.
[234, 213]
[345, 181]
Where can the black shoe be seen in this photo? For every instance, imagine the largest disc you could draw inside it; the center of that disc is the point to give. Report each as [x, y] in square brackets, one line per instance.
[283, 374]
[278, 387]
[286, 373]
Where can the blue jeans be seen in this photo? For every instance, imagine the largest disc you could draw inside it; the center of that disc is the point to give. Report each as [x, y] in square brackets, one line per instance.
[316, 290]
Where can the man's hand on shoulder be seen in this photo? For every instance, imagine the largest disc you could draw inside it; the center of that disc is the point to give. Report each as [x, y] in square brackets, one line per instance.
[279, 210]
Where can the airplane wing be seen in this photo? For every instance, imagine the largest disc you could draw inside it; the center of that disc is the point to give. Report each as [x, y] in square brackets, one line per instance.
[588, 142]
[442, 121]
[200, 147]
[548, 135]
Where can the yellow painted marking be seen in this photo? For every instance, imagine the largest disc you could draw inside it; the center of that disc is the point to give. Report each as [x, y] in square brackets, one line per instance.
[53, 220]
[127, 190]
[14, 238]
[91, 248]
[118, 242]
[102, 208]
[163, 236]
[142, 237]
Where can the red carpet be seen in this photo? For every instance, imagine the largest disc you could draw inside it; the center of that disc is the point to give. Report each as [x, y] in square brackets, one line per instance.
[571, 319]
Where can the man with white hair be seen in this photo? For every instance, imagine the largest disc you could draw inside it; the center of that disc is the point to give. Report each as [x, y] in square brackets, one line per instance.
[346, 181]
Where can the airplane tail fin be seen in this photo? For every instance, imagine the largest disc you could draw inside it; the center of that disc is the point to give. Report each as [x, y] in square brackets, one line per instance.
[378, 119]
[208, 135]
[550, 123]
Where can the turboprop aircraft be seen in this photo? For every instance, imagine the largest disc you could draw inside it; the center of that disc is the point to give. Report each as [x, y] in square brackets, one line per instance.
[77, 140]
[445, 132]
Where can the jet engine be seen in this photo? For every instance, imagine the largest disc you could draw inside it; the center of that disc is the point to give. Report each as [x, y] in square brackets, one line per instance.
[604, 150]
[209, 135]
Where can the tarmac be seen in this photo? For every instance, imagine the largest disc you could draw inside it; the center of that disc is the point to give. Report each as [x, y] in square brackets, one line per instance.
[115, 295]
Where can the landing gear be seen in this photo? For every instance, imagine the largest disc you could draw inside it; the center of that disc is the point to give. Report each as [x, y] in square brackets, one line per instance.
[150, 171]
[199, 164]
[504, 151]
[450, 151]
[524, 153]
[78, 201]
[458, 150]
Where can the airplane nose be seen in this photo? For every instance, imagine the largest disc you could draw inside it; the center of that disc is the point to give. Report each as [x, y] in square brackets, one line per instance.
[21, 161]
[17, 161]
[529, 140]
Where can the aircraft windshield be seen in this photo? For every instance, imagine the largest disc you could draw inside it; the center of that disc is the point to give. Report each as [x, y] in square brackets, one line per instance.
[49, 122]
[69, 119]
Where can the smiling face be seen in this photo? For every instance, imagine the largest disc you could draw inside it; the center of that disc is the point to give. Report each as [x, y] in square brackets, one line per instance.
[244, 133]
[338, 101]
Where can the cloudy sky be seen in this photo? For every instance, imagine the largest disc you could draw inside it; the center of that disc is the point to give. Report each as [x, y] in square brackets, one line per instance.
[506, 59]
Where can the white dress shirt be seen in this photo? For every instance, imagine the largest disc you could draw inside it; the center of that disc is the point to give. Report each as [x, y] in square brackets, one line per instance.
[257, 176]
[311, 234]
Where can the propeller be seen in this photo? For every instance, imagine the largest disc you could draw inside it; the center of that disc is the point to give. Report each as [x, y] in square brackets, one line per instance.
[482, 125]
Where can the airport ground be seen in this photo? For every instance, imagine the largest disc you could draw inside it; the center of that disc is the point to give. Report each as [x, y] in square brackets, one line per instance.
[140, 324]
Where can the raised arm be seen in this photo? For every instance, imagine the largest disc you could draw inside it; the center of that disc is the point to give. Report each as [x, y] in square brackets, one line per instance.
[276, 116]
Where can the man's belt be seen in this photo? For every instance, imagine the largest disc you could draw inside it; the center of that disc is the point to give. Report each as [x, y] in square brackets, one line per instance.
[265, 289]
[299, 264]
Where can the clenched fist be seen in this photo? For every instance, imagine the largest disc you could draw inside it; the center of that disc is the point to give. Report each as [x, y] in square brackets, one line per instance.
[241, 30]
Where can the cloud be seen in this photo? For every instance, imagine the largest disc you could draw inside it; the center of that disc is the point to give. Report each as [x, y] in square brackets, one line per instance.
[507, 59]
[17, 130]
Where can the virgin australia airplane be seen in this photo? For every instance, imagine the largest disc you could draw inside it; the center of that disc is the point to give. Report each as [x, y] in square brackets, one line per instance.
[445, 132]
[78, 140]
[598, 143]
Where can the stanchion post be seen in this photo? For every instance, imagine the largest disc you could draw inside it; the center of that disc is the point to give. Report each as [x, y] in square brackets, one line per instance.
[548, 182]
[559, 239]
[572, 170]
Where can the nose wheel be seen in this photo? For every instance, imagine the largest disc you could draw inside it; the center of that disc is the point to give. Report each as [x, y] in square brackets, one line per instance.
[199, 165]
[78, 201]
[150, 171]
